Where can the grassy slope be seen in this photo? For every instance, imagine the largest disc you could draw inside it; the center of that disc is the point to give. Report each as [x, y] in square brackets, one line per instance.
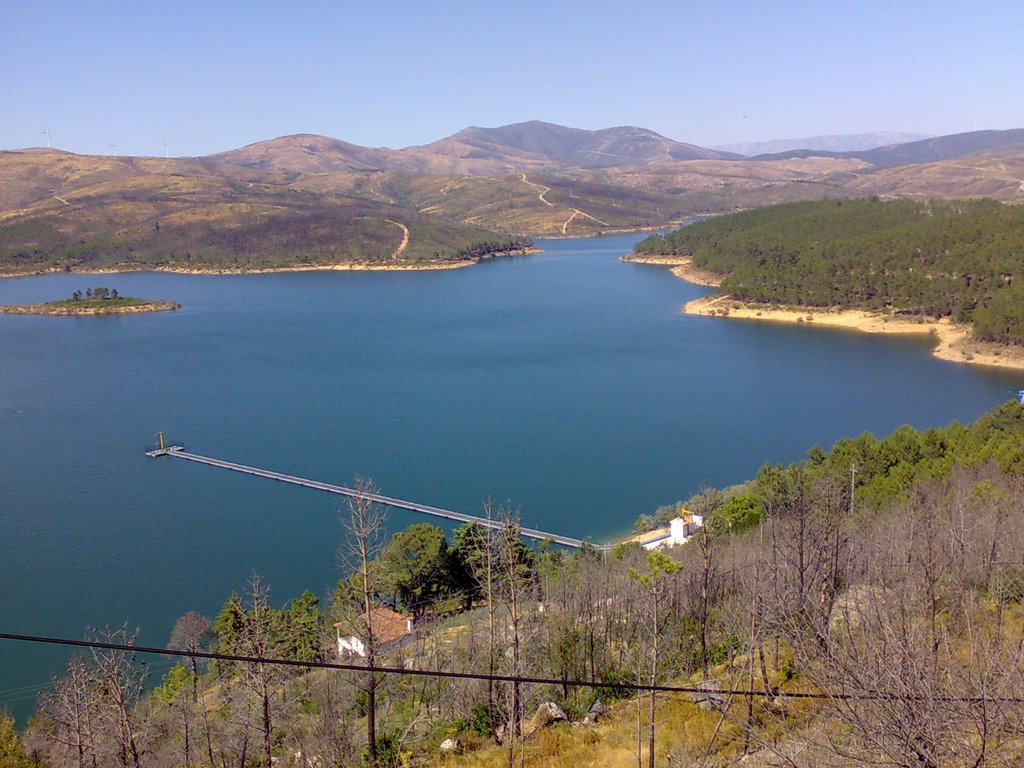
[128, 217]
[292, 204]
[627, 197]
[683, 730]
[996, 177]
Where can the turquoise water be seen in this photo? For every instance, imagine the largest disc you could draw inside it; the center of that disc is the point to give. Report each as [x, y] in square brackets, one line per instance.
[567, 383]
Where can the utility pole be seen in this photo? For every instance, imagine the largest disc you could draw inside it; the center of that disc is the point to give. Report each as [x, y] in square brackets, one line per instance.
[853, 475]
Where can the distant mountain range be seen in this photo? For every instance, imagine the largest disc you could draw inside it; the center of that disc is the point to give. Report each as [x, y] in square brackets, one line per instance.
[537, 145]
[476, 151]
[944, 148]
[853, 142]
[318, 200]
[546, 142]
[924, 151]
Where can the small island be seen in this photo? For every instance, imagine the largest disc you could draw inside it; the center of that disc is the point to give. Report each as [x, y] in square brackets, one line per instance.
[95, 301]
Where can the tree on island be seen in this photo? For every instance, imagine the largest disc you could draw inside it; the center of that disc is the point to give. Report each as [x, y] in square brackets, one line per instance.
[97, 293]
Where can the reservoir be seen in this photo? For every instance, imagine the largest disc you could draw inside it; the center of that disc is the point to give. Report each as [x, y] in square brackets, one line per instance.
[566, 384]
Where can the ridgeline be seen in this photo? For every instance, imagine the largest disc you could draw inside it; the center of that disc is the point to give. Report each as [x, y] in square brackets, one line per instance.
[306, 202]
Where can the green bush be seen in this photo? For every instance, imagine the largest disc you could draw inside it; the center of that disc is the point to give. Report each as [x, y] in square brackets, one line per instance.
[738, 514]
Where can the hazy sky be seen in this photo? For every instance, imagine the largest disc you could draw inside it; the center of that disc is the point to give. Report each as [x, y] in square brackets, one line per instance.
[202, 77]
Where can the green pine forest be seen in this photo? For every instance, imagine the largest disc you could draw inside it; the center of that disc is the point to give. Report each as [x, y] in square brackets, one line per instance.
[961, 259]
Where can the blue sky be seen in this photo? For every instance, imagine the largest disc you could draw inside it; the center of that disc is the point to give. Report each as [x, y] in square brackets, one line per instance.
[202, 77]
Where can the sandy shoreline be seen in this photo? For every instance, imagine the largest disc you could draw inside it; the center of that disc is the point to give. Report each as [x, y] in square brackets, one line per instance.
[352, 266]
[158, 305]
[955, 342]
[682, 267]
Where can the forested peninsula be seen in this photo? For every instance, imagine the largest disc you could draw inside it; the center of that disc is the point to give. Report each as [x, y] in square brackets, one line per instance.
[960, 261]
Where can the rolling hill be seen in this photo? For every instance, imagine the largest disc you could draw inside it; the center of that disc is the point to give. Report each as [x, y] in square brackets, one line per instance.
[306, 200]
[304, 153]
[474, 151]
[931, 150]
[71, 212]
[844, 143]
[537, 141]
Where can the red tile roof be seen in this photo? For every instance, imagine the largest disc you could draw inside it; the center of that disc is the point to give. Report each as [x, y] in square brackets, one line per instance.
[388, 625]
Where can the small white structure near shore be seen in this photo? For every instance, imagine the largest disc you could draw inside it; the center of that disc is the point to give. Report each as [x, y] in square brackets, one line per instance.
[680, 530]
[388, 628]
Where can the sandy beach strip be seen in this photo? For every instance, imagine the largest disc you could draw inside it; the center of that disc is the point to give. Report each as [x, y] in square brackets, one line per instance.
[954, 340]
[409, 266]
[682, 267]
[347, 266]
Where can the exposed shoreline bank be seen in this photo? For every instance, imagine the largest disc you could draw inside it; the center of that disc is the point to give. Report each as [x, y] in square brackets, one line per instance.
[354, 266]
[61, 309]
[955, 341]
[243, 270]
[682, 267]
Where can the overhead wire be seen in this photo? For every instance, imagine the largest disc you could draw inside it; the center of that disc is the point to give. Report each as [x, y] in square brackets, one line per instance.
[707, 692]
[31, 690]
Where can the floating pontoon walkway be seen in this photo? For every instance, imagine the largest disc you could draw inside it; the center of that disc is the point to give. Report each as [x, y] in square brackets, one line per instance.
[179, 452]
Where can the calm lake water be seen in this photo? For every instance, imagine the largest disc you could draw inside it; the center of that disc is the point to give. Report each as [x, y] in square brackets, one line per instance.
[567, 383]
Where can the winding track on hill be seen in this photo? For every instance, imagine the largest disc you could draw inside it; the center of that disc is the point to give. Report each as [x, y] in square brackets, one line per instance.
[375, 190]
[405, 238]
[575, 211]
[538, 186]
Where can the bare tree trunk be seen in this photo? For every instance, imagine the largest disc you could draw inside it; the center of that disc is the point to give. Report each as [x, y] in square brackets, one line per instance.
[71, 707]
[258, 639]
[513, 576]
[706, 563]
[123, 683]
[654, 681]
[491, 607]
[639, 732]
[708, 501]
[209, 735]
[513, 595]
[653, 579]
[363, 520]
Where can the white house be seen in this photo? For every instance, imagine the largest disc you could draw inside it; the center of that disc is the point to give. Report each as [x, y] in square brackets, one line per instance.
[680, 530]
[388, 627]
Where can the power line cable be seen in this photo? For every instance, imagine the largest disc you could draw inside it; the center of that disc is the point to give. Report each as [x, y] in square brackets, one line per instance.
[706, 692]
[31, 690]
